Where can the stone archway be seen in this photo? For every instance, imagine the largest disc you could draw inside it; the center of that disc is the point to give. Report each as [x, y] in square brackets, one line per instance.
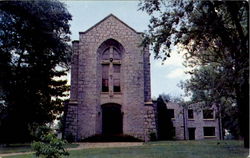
[112, 119]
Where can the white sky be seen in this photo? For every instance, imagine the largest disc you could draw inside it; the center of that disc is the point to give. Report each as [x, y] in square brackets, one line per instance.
[164, 78]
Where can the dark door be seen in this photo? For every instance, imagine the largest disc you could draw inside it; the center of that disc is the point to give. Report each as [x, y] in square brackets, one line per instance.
[111, 119]
[191, 133]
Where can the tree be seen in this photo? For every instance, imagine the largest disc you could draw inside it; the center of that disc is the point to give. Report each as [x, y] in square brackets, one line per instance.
[48, 145]
[211, 33]
[165, 129]
[208, 84]
[34, 38]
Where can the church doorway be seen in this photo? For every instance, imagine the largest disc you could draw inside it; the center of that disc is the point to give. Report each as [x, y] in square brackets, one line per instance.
[111, 119]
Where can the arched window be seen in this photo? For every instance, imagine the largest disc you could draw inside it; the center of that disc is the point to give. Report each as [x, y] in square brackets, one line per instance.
[111, 69]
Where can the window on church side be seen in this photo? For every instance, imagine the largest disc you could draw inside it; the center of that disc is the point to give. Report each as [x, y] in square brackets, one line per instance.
[105, 78]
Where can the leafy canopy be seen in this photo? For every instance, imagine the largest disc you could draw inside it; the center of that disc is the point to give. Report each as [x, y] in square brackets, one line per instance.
[34, 38]
[214, 36]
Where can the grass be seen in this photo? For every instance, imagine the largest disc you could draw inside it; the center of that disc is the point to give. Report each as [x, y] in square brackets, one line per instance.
[165, 149]
[14, 148]
[112, 138]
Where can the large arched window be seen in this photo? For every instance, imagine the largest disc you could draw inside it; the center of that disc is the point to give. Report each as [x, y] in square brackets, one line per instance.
[111, 67]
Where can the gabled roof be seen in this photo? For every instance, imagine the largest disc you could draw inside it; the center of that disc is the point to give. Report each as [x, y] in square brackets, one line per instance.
[110, 15]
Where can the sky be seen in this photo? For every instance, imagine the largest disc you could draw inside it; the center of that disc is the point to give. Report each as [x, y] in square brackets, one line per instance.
[164, 78]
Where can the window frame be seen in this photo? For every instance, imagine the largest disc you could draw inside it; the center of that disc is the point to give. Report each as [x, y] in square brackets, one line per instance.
[190, 118]
[209, 136]
[115, 58]
[205, 115]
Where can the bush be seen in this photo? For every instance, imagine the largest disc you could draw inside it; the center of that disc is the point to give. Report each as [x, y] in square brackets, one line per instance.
[152, 136]
[49, 146]
[69, 137]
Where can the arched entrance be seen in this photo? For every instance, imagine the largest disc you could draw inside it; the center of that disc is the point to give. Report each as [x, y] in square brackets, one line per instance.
[111, 119]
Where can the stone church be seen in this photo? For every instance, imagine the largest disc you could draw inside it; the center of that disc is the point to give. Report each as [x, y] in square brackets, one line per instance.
[110, 83]
[110, 91]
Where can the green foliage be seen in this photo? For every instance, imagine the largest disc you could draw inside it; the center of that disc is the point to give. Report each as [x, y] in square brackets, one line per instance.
[40, 132]
[152, 136]
[34, 51]
[49, 147]
[214, 37]
[206, 86]
[164, 122]
[70, 137]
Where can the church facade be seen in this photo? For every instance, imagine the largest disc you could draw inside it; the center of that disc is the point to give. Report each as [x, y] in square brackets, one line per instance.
[110, 83]
[110, 91]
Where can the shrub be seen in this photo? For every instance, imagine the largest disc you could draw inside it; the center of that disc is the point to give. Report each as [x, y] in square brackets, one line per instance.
[152, 136]
[49, 146]
[69, 137]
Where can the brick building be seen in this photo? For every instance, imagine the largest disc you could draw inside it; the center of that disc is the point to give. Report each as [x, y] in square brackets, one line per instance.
[110, 83]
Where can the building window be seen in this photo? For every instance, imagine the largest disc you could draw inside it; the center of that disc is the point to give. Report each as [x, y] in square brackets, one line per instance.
[209, 131]
[190, 114]
[208, 114]
[105, 78]
[117, 87]
[117, 68]
[111, 67]
[170, 113]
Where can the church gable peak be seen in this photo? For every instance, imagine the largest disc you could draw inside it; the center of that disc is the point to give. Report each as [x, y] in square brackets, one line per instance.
[110, 16]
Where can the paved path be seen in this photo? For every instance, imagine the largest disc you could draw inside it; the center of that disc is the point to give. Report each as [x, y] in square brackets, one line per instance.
[87, 146]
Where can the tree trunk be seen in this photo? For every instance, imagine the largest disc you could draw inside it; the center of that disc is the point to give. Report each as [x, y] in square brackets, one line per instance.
[243, 103]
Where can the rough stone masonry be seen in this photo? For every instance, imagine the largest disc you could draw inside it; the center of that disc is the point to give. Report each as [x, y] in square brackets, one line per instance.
[110, 83]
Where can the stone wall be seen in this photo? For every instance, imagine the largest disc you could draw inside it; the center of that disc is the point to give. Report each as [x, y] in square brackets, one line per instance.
[149, 122]
[70, 129]
[74, 71]
[147, 85]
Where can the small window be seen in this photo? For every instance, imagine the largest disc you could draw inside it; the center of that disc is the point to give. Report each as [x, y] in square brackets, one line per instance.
[105, 85]
[105, 80]
[209, 131]
[208, 114]
[190, 114]
[117, 87]
[170, 113]
[117, 68]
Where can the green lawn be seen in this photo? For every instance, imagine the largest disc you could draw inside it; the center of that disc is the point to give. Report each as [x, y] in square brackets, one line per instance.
[166, 149]
[13, 148]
